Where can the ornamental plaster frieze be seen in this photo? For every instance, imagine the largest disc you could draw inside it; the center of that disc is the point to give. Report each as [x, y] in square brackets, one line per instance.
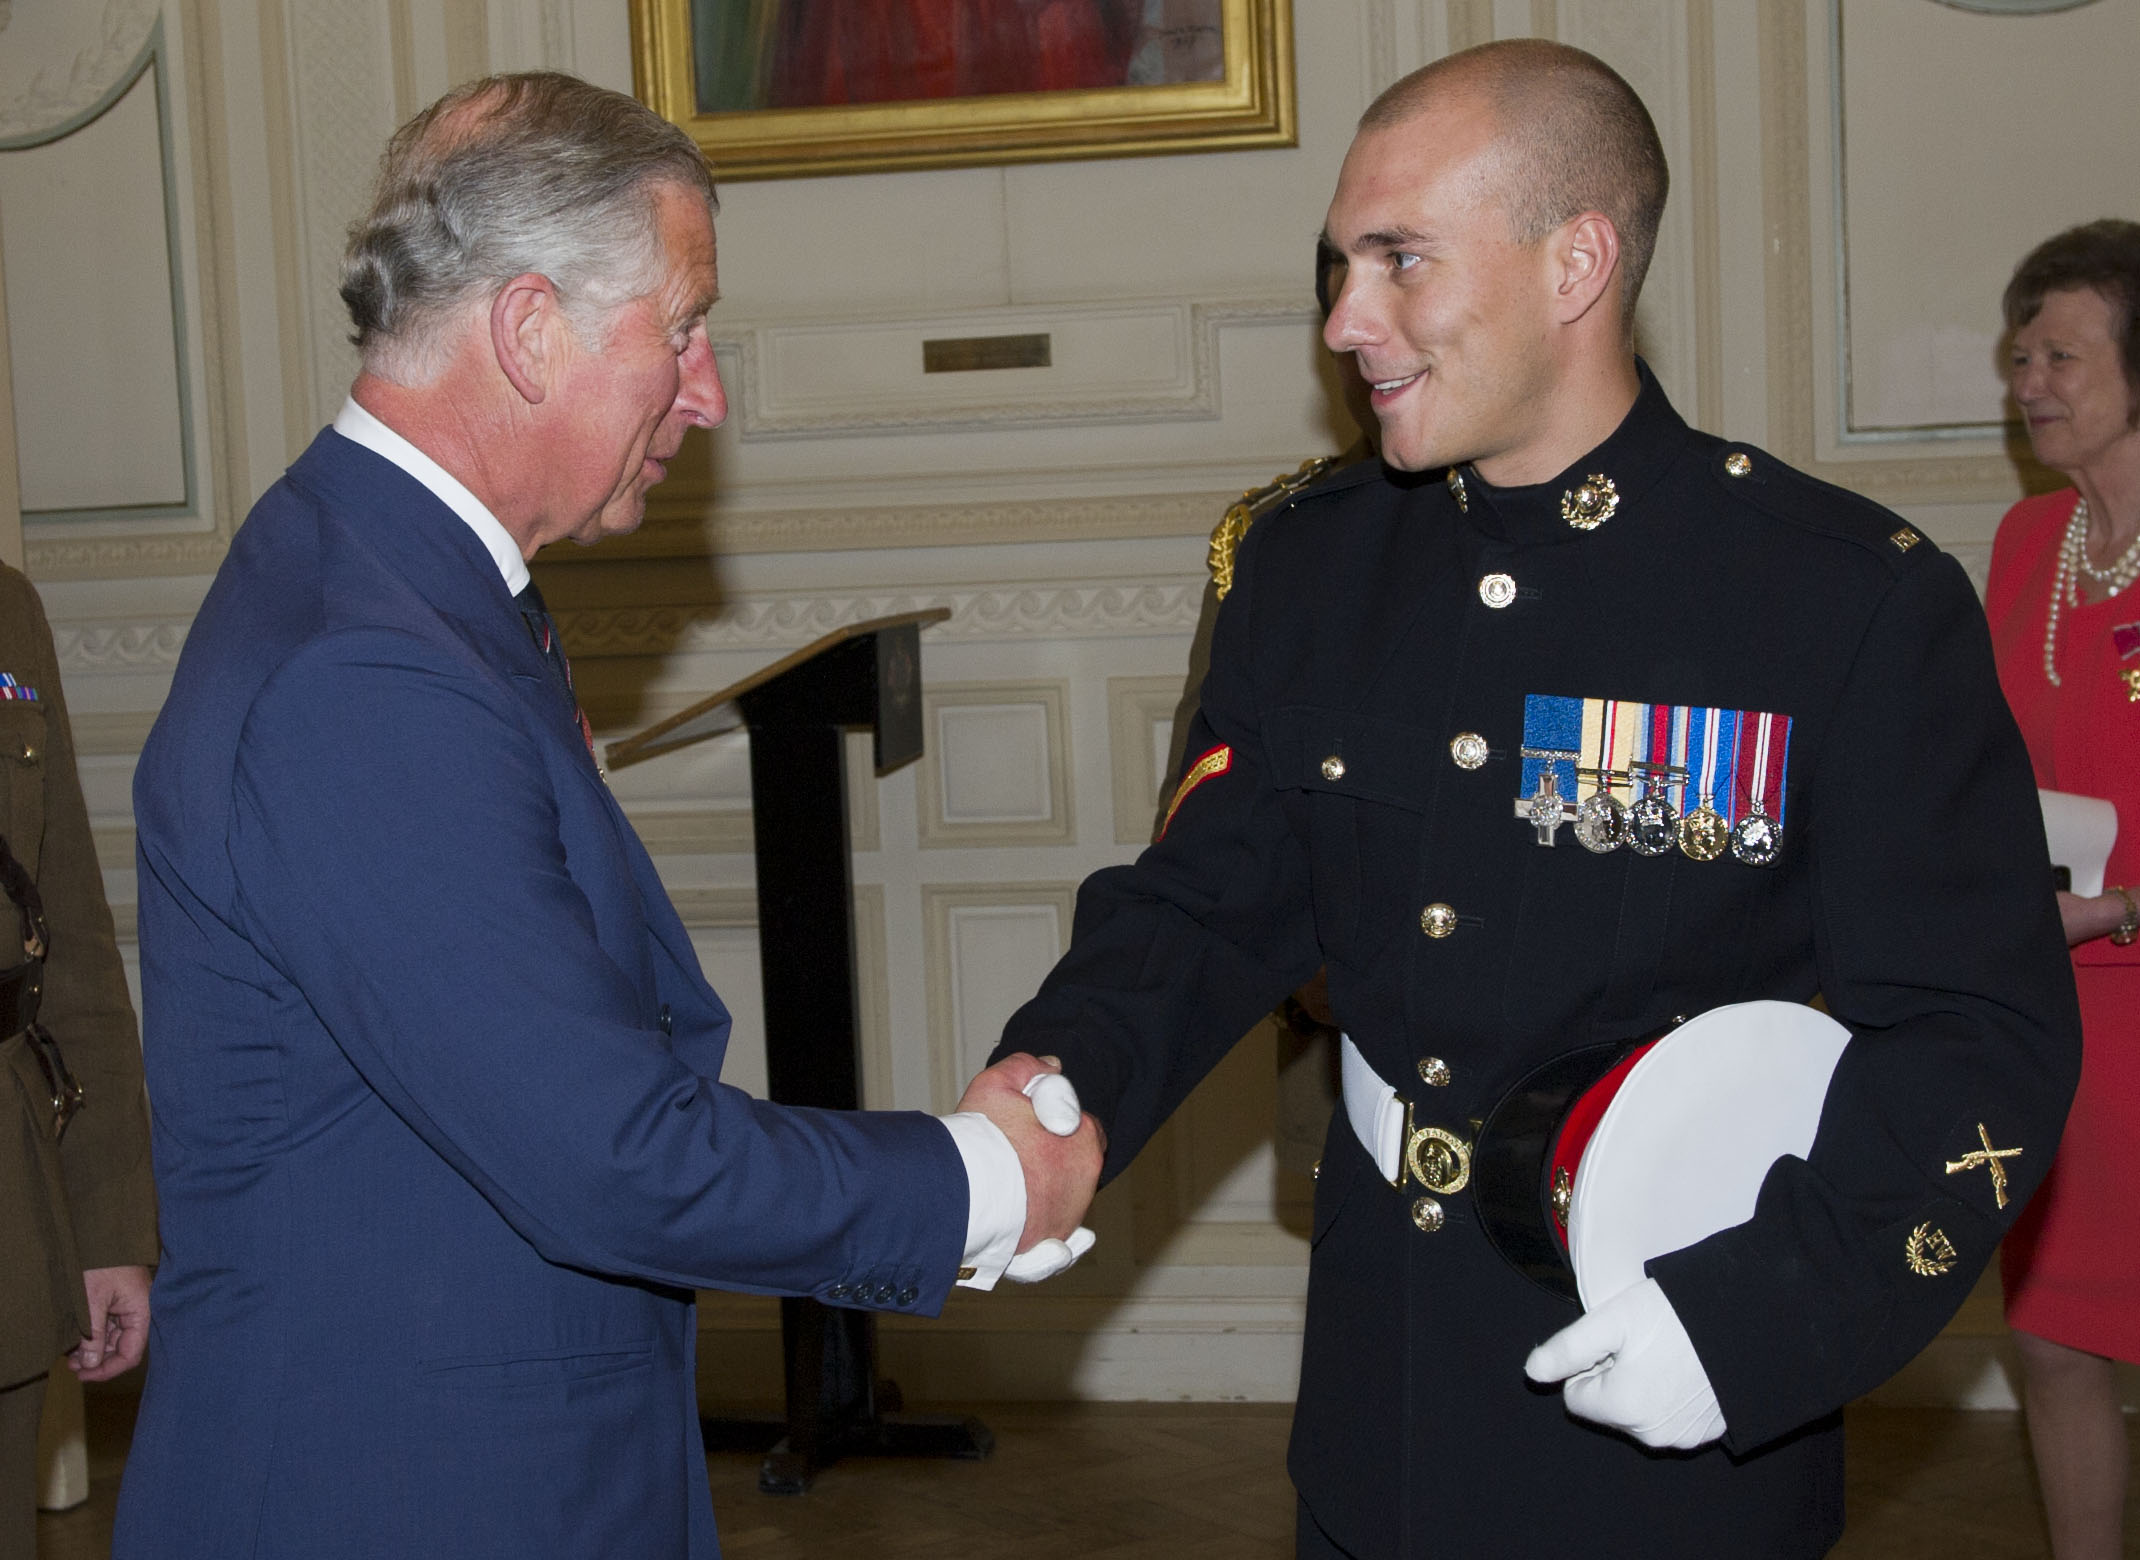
[1086, 610]
[1095, 609]
[673, 529]
[1081, 610]
[56, 555]
[130, 645]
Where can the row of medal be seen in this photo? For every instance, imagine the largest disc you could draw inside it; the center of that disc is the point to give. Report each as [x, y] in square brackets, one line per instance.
[1642, 765]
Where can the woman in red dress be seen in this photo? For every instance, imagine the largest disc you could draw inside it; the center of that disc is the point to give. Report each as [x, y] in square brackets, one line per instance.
[2067, 633]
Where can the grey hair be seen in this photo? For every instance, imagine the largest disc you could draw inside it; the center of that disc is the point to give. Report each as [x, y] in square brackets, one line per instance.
[537, 172]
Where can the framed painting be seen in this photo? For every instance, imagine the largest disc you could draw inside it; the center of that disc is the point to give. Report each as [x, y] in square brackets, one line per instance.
[777, 88]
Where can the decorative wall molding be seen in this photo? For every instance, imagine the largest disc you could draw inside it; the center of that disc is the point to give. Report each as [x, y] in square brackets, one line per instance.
[873, 997]
[1199, 325]
[1135, 705]
[1039, 610]
[101, 735]
[132, 645]
[697, 831]
[56, 555]
[47, 95]
[1081, 609]
[207, 303]
[956, 1038]
[1011, 1346]
[114, 846]
[342, 95]
[1055, 818]
[721, 908]
[680, 527]
[1788, 193]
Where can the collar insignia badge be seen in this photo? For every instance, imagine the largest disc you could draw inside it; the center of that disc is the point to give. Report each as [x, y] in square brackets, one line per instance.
[1591, 503]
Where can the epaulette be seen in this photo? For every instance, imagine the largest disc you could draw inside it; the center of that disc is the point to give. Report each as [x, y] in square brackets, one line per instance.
[1781, 490]
[1253, 505]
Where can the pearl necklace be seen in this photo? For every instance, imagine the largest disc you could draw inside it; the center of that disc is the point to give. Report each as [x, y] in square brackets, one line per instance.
[2066, 583]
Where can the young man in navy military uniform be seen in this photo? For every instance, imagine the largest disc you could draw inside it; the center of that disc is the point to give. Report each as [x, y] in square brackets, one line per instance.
[1599, 721]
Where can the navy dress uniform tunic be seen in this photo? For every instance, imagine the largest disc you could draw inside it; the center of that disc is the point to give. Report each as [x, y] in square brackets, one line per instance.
[1351, 796]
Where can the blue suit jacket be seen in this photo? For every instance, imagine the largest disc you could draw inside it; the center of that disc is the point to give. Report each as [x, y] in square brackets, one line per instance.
[432, 1066]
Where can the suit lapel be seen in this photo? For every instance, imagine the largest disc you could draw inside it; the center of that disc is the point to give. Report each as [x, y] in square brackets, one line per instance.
[405, 535]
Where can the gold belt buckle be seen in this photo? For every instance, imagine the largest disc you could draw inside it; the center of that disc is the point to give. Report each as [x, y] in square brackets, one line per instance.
[1435, 1157]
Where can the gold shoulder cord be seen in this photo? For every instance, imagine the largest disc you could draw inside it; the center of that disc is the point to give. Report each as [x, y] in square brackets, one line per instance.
[1256, 502]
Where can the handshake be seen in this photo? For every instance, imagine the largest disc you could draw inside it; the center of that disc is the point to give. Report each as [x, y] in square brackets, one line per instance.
[1059, 1148]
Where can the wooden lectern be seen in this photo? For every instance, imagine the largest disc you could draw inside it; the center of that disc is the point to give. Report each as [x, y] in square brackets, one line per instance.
[867, 674]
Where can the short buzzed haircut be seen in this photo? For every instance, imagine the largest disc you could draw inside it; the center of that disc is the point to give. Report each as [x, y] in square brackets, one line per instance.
[536, 172]
[1575, 137]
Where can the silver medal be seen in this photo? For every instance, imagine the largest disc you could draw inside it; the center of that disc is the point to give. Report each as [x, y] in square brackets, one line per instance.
[1601, 822]
[1652, 826]
[1756, 839]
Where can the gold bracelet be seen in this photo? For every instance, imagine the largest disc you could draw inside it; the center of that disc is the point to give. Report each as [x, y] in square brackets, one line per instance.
[2129, 928]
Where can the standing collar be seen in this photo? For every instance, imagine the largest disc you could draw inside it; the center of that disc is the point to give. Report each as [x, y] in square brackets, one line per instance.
[359, 426]
[1613, 477]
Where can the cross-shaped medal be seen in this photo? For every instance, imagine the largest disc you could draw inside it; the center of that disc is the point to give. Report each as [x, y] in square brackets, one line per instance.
[1546, 810]
[1986, 1159]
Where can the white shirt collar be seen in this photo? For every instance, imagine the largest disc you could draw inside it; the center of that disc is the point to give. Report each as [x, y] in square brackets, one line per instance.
[359, 426]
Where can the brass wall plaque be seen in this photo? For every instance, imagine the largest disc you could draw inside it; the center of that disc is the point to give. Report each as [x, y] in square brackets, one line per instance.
[965, 354]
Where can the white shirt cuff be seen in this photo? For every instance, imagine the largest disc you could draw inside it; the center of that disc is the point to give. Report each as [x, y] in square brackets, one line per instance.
[995, 1202]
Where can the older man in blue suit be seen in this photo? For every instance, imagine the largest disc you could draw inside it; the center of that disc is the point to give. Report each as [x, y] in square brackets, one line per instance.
[441, 1151]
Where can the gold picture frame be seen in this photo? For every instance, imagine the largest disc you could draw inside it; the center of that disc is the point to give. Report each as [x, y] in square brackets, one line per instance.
[1250, 105]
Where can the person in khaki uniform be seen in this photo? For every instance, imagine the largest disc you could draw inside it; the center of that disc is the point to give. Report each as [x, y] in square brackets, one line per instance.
[77, 1204]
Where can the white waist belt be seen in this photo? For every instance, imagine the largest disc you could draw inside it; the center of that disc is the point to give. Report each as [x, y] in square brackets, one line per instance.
[1375, 1111]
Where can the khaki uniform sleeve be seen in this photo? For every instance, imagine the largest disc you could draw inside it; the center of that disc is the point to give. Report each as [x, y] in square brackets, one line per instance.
[110, 1191]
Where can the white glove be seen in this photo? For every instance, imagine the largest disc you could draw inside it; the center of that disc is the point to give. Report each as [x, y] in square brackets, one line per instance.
[1630, 1365]
[1049, 1257]
[1055, 1103]
[1054, 1100]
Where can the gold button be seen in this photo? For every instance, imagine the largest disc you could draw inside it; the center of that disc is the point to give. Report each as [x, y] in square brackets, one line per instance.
[28, 754]
[1333, 768]
[1456, 489]
[1428, 1215]
[1437, 920]
[1315, 1171]
[1468, 750]
[1497, 590]
[1738, 463]
[1434, 1072]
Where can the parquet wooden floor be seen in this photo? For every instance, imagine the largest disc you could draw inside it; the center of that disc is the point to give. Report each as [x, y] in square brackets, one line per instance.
[1187, 1481]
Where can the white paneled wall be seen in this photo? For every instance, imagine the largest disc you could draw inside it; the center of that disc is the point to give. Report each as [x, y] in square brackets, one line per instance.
[1059, 513]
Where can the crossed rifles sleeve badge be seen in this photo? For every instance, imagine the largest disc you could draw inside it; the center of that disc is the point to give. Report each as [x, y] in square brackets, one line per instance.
[1928, 1251]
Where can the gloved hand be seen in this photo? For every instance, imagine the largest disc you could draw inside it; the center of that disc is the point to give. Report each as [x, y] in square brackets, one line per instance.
[1055, 1105]
[1630, 1365]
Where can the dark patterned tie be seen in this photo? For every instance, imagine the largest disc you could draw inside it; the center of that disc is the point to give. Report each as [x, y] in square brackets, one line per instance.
[543, 629]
